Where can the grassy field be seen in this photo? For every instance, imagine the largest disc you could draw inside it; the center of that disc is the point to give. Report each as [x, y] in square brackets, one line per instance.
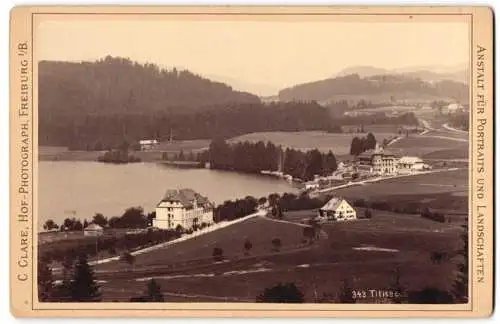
[459, 152]
[259, 231]
[185, 146]
[339, 144]
[424, 146]
[322, 268]
[432, 183]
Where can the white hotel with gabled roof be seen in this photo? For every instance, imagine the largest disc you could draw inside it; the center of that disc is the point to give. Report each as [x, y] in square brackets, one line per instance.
[183, 207]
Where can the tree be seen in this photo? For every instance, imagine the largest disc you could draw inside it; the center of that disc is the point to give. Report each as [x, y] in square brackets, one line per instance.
[133, 217]
[44, 280]
[273, 199]
[397, 287]
[281, 293]
[85, 223]
[461, 283]
[50, 225]
[179, 230]
[68, 224]
[274, 211]
[217, 254]
[128, 258]
[309, 234]
[77, 226]
[356, 146]
[100, 220]
[262, 201]
[370, 142]
[346, 293]
[153, 293]
[150, 218]
[276, 242]
[247, 246]
[280, 212]
[83, 287]
[181, 156]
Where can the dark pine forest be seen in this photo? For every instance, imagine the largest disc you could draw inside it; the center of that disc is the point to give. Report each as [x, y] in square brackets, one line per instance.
[95, 105]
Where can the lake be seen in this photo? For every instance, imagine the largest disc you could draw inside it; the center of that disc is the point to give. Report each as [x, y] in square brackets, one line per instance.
[81, 189]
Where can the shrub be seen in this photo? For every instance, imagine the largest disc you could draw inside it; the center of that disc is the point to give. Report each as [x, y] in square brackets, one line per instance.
[218, 254]
[281, 293]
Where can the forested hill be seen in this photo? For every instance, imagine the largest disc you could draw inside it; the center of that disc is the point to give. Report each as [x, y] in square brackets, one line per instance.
[379, 88]
[91, 132]
[117, 85]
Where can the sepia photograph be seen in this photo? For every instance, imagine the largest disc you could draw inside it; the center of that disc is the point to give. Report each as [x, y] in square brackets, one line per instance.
[252, 157]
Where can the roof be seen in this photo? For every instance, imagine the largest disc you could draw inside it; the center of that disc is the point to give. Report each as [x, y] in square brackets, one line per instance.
[185, 196]
[410, 160]
[93, 227]
[143, 142]
[333, 203]
[372, 152]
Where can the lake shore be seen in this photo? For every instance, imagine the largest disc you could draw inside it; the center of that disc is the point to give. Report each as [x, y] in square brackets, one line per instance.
[65, 155]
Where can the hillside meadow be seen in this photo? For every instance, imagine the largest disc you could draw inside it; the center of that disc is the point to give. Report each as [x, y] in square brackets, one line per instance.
[338, 143]
[366, 253]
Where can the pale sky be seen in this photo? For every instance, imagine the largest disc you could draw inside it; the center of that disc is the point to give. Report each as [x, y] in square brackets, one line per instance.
[265, 55]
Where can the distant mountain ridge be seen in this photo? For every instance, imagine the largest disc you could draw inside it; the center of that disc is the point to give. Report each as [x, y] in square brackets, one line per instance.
[379, 88]
[426, 73]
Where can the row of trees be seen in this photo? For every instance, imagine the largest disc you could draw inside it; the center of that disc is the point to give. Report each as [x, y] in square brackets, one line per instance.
[402, 207]
[256, 157]
[118, 157]
[110, 245]
[79, 284]
[104, 131]
[360, 145]
[380, 118]
[133, 217]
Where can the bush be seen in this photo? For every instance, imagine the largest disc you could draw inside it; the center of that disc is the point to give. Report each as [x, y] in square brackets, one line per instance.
[359, 203]
[435, 216]
[281, 293]
[218, 254]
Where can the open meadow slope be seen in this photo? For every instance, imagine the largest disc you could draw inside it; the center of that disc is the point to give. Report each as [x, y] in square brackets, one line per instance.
[431, 183]
[427, 146]
[259, 231]
[339, 144]
[364, 252]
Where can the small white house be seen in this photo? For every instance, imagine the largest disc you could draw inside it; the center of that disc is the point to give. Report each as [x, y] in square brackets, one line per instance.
[147, 144]
[311, 185]
[93, 230]
[183, 207]
[409, 164]
[337, 209]
[454, 108]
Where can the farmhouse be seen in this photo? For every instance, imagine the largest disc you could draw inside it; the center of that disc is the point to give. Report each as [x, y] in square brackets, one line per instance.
[147, 144]
[410, 164]
[93, 230]
[183, 207]
[336, 209]
[454, 108]
[377, 161]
